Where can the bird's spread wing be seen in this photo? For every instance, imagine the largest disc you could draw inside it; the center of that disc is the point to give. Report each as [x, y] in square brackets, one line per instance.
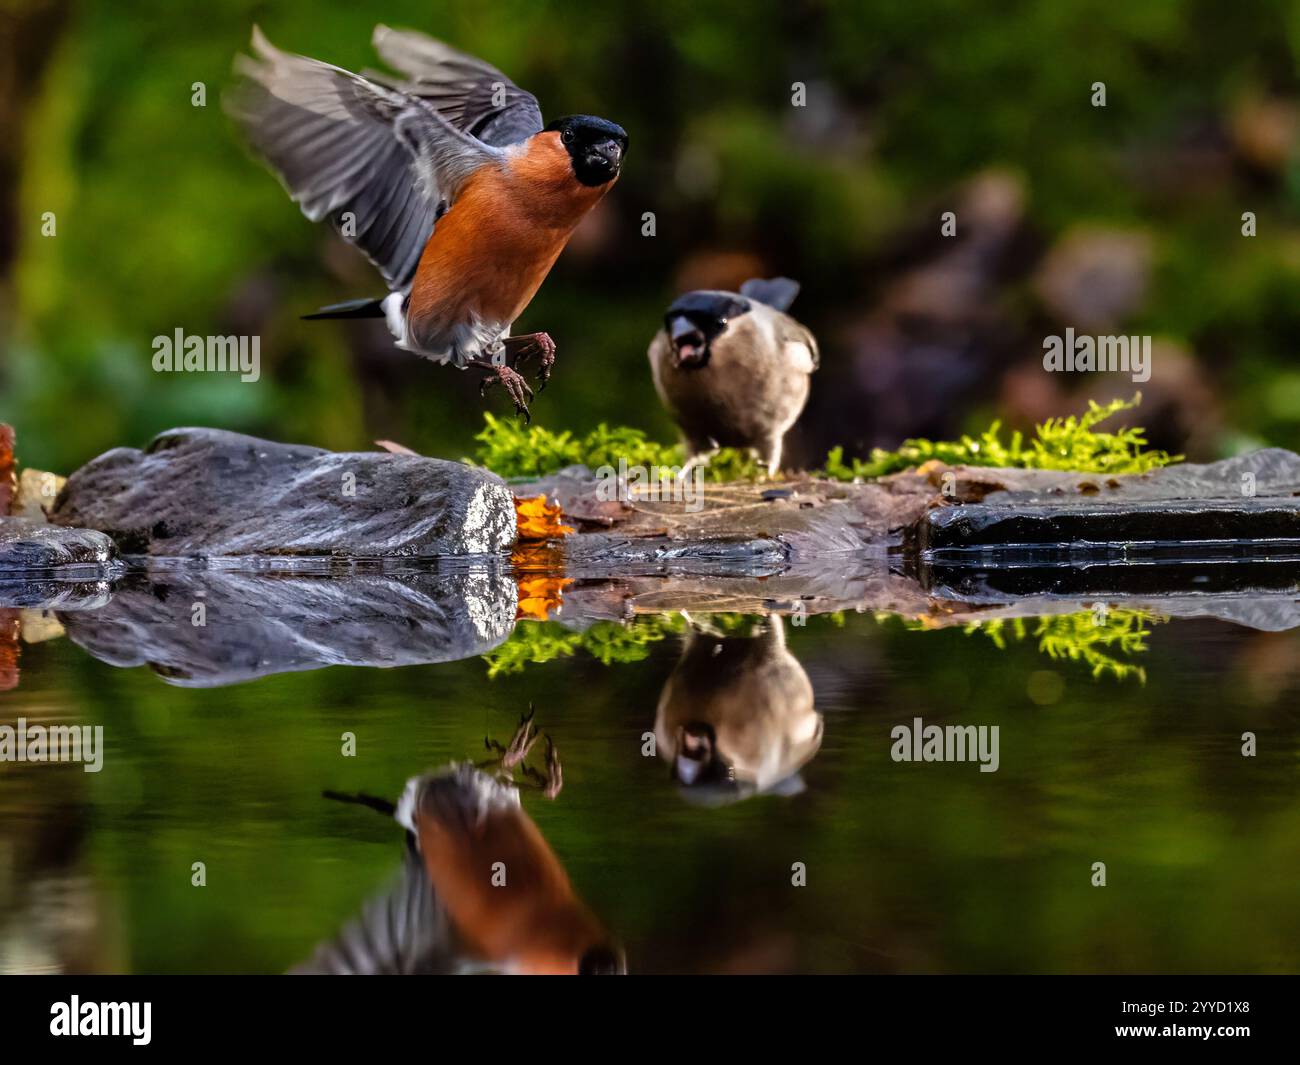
[405, 930]
[374, 160]
[470, 94]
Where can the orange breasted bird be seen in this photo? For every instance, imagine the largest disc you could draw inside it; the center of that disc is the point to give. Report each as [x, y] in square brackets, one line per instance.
[481, 889]
[505, 890]
[446, 178]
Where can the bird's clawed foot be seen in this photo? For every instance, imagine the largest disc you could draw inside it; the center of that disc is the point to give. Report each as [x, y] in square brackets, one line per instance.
[530, 344]
[525, 737]
[514, 384]
[701, 458]
[513, 755]
[553, 780]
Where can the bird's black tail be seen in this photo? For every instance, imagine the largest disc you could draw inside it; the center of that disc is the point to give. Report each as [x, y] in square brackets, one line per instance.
[350, 309]
[361, 799]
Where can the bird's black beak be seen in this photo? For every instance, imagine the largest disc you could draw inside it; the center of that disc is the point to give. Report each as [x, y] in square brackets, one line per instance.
[690, 347]
[611, 151]
[697, 761]
[605, 157]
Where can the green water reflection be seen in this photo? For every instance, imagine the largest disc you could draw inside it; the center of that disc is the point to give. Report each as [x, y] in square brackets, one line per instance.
[910, 867]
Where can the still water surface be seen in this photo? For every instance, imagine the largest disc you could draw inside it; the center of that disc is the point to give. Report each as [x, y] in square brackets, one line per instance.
[909, 867]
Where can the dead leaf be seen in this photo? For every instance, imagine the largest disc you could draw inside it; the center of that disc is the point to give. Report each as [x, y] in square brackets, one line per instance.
[8, 650]
[539, 596]
[535, 519]
[8, 485]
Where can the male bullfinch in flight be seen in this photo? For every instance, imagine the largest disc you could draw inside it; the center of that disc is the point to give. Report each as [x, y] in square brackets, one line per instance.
[445, 178]
[732, 368]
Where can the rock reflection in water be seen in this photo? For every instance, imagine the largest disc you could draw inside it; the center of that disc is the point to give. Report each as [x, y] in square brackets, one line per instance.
[736, 717]
[206, 628]
[480, 890]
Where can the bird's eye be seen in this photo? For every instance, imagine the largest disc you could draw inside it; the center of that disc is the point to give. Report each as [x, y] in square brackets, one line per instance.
[567, 136]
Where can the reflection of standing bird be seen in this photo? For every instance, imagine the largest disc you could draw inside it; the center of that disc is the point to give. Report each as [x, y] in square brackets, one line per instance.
[736, 717]
[457, 144]
[480, 888]
[732, 368]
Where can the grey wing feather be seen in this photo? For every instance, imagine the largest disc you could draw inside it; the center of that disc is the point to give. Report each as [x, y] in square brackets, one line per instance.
[470, 94]
[778, 292]
[403, 931]
[342, 144]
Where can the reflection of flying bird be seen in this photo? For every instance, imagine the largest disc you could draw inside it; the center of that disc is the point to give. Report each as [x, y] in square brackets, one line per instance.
[736, 716]
[480, 889]
[446, 179]
[470, 827]
[733, 368]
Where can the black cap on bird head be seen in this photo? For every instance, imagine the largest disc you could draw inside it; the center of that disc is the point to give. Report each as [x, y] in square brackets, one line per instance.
[696, 320]
[595, 146]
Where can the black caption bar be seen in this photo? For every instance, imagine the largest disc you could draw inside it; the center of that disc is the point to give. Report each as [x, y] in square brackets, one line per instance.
[145, 1014]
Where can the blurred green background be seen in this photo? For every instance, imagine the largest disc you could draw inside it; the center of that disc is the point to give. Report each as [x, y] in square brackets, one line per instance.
[1123, 219]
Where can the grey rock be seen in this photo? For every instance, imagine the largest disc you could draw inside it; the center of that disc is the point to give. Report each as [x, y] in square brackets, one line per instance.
[49, 592]
[1007, 577]
[597, 555]
[1243, 509]
[1211, 529]
[28, 546]
[1272, 471]
[210, 493]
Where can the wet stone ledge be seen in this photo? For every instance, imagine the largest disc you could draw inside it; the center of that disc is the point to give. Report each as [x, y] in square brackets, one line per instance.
[1246, 508]
[1243, 509]
[209, 493]
[29, 545]
[1210, 530]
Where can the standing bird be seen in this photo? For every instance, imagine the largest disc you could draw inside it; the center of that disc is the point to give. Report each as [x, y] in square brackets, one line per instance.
[446, 179]
[732, 368]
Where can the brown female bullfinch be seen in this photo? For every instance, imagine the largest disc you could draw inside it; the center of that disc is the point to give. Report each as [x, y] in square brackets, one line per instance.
[737, 717]
[446, 179]
[732, 368]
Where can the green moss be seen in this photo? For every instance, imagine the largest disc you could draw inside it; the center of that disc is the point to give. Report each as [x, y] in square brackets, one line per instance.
[610, 642]
[1102, 640]
[511, 449]
[1070, 443]
[1093, 637]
